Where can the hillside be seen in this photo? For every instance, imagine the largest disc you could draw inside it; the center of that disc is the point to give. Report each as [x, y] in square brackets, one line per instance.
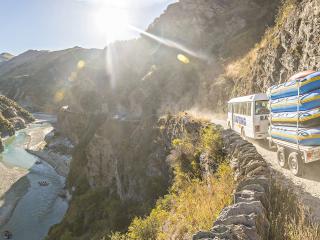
[34, 77]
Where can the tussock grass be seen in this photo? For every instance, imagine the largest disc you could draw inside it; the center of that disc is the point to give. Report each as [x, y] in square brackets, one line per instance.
[289, 219]
[179, 215]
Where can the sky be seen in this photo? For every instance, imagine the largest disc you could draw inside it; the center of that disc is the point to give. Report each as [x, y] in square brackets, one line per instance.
[60, 24]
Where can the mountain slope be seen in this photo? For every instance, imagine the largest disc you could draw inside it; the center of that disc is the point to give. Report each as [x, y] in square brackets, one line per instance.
[34, 77]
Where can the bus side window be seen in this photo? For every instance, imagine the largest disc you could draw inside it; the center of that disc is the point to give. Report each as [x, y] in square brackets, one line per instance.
[235, 108]
[249, 108]
[241, 108]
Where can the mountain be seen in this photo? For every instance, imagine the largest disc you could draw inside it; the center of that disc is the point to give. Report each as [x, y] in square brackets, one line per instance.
[5, 57]
[34, 78]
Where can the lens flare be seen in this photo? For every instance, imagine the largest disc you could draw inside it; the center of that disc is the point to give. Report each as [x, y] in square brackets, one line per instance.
[184, 59]
[59, 96]
[81, 64]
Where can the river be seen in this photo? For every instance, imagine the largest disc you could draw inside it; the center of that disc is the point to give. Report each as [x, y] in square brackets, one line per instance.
[35, 208]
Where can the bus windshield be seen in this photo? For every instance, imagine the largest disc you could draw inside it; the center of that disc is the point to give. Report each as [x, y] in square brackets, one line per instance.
[261, 107]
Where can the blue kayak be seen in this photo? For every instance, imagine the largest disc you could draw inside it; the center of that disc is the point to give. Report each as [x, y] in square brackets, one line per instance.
[288, 89]
[290, 104]
[307, 119]
[305, 137]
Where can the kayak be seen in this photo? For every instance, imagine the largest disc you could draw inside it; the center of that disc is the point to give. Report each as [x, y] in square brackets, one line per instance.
[307, 119]
[290, 104]
[307, 84]
[305, 137]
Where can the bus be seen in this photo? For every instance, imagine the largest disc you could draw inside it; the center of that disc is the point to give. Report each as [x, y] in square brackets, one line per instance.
[249, 116]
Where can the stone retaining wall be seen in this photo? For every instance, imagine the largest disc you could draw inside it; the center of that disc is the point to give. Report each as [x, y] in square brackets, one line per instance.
[247, 218]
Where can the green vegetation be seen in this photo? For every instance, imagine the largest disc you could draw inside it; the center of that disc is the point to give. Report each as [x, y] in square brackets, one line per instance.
[193, 201]
[289, 220]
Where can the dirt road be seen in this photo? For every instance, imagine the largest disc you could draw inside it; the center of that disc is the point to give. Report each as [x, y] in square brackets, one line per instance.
[306, 187]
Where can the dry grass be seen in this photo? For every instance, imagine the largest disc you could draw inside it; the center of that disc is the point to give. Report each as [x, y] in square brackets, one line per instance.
[180, 215]
[289, 220]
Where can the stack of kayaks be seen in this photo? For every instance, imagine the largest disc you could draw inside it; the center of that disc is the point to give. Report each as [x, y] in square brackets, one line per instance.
[293, 101]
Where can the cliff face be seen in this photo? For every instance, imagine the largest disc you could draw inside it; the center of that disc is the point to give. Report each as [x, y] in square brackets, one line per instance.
[122, 161]
[289, 47]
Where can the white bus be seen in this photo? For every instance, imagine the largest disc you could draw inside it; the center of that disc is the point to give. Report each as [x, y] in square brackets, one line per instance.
[249, 116]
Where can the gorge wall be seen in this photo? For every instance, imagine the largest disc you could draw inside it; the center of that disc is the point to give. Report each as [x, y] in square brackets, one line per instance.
[119, 171]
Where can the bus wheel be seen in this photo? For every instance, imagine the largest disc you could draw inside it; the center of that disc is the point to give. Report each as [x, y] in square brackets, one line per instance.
[243, 134]
[281, 157]
[296, 164]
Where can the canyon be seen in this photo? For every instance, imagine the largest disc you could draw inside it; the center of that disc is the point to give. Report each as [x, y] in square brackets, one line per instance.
[120, 114]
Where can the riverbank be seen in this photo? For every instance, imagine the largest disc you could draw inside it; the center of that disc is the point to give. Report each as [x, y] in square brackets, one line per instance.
[9, 179]
[55, 150]
[24, 204]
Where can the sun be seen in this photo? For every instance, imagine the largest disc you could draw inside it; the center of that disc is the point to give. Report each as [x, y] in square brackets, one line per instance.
[111, 19]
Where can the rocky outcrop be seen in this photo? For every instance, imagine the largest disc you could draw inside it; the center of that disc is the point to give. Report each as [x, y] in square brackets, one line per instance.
[12, 117]
[289, 47]
[247, 218]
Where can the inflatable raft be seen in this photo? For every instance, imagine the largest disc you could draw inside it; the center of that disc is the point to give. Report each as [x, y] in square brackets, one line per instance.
[307, 84]
[305, 137]
[290, 104]
[307, 119]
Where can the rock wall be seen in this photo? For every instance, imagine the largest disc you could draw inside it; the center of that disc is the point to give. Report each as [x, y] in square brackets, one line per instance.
[292, 45]
[247, 218]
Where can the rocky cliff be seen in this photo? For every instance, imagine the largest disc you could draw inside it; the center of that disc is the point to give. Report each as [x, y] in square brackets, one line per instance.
[287, 48]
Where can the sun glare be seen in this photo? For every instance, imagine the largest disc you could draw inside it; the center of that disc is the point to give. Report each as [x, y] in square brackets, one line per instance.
[111, 20]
